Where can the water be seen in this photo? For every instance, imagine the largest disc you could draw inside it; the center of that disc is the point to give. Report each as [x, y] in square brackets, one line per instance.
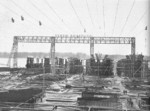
[21, 62]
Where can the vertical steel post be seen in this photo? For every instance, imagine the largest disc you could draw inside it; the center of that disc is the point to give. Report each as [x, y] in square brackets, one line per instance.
[91, 46]
[132, 55]
[52, 57]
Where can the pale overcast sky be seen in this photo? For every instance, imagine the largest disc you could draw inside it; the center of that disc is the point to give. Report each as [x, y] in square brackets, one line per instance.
[104, 18]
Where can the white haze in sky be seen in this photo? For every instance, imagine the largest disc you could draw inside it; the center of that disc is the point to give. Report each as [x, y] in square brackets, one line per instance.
[96, 17]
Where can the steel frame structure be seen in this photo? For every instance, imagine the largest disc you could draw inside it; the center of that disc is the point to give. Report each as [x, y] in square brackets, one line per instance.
[78, 39]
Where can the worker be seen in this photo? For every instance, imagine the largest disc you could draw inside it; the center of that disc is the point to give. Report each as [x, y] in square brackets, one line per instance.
[125, 92]
[41, 99]
[139, 100]
[89, 109]
[54, 108]
[130, 102]
[86, 89]
[82, 76]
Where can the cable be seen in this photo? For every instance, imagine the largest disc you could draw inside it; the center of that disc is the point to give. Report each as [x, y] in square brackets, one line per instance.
[115, 16]
[127, 18]
[48, 18]
[28, 14]
[104, 18]
[89, 13]
[22, 9]
[57, 15]
[10, 9]
[139, 33]
[97, 14]
[77, 15]
[138, 22]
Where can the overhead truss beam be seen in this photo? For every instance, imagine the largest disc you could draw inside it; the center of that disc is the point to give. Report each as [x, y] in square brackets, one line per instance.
[74, 39]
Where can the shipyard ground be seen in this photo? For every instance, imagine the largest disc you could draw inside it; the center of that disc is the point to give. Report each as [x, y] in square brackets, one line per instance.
[71, 95]
[57, 94]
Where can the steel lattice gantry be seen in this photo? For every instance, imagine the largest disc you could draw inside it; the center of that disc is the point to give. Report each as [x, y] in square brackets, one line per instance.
[78, 39]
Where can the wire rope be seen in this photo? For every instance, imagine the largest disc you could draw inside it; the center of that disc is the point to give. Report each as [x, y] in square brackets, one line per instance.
[127, 18]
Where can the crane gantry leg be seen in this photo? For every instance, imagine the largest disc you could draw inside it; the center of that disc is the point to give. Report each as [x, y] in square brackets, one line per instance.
[14, 54]
[91, 46]
[132, 55]
[52, 57]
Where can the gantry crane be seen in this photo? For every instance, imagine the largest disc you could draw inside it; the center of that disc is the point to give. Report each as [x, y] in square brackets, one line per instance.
[80, 39]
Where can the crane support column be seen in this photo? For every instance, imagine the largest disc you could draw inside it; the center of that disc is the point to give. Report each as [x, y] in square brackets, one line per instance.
[133, 55]
[15, 52]
[52, 57]
[91, 46]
